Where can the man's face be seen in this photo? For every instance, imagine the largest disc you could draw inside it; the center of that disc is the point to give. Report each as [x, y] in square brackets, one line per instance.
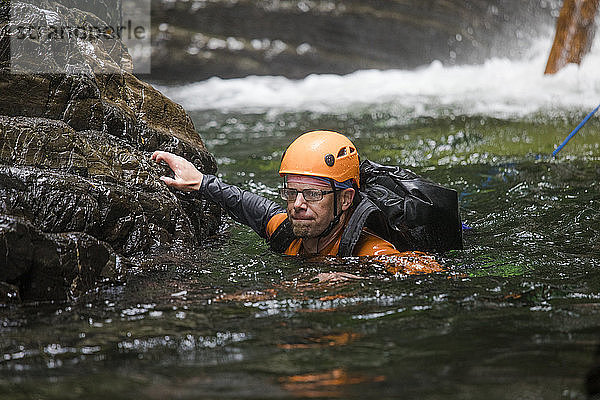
[309, 219]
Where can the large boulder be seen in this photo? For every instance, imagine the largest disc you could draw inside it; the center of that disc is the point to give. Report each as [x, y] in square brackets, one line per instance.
[77, 186]
[39, 266]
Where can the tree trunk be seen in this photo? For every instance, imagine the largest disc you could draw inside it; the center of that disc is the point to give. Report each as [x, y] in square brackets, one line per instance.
[575, 31]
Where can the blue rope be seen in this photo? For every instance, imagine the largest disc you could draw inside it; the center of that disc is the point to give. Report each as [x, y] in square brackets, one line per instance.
[582, 123]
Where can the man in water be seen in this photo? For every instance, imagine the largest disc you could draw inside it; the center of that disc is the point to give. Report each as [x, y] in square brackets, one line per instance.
[321, 183]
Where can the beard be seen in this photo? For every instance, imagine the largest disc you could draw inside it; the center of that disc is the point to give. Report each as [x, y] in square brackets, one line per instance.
[302, 229]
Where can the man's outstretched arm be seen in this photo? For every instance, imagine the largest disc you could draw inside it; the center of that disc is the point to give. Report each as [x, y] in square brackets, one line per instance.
[243, 206]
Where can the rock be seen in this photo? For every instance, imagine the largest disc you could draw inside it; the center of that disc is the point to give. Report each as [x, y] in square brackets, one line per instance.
[132, 220]
[78, 191]
[592, 380]
[38, 266]
[117, 105]
[70, 51]
[195, 40]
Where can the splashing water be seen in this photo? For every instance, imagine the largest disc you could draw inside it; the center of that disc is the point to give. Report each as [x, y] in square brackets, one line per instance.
[499, 87]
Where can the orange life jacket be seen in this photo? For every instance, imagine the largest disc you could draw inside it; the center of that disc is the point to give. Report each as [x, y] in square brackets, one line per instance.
[369, 244]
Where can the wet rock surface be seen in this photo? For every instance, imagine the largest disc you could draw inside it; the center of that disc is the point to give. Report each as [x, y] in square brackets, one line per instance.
[79, 195]
[37, 265]
[194, 40]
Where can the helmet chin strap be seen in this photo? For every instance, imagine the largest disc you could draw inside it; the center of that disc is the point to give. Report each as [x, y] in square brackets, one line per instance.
[336, 216]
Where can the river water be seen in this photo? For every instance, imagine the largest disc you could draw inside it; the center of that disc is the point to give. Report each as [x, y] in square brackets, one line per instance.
[515, 315]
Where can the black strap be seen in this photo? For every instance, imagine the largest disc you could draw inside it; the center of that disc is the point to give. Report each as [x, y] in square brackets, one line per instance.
[336, 217]
[355, 225]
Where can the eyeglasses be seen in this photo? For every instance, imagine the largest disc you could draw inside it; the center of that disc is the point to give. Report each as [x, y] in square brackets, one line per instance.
[308, 194]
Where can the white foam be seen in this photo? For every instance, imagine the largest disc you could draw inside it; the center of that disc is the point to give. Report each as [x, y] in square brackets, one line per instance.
[497, 87]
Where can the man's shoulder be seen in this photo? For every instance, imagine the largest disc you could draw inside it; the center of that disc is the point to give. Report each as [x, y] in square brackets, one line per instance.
[274, 223]
[370, 244]
[280, 235]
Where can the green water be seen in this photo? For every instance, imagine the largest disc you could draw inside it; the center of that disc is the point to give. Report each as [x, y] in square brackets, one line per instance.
[516, 315]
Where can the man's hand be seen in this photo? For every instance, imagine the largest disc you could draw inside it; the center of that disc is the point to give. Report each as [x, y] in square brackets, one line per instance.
[335, 277]
[187, 177]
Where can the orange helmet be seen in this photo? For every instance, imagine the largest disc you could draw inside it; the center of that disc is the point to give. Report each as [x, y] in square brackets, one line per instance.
[324, 154]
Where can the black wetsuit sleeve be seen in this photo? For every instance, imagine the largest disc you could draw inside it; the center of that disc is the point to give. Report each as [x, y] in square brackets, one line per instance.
[243, 206]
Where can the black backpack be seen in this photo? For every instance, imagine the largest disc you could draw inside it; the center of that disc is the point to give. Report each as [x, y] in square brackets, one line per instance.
[405, 209]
